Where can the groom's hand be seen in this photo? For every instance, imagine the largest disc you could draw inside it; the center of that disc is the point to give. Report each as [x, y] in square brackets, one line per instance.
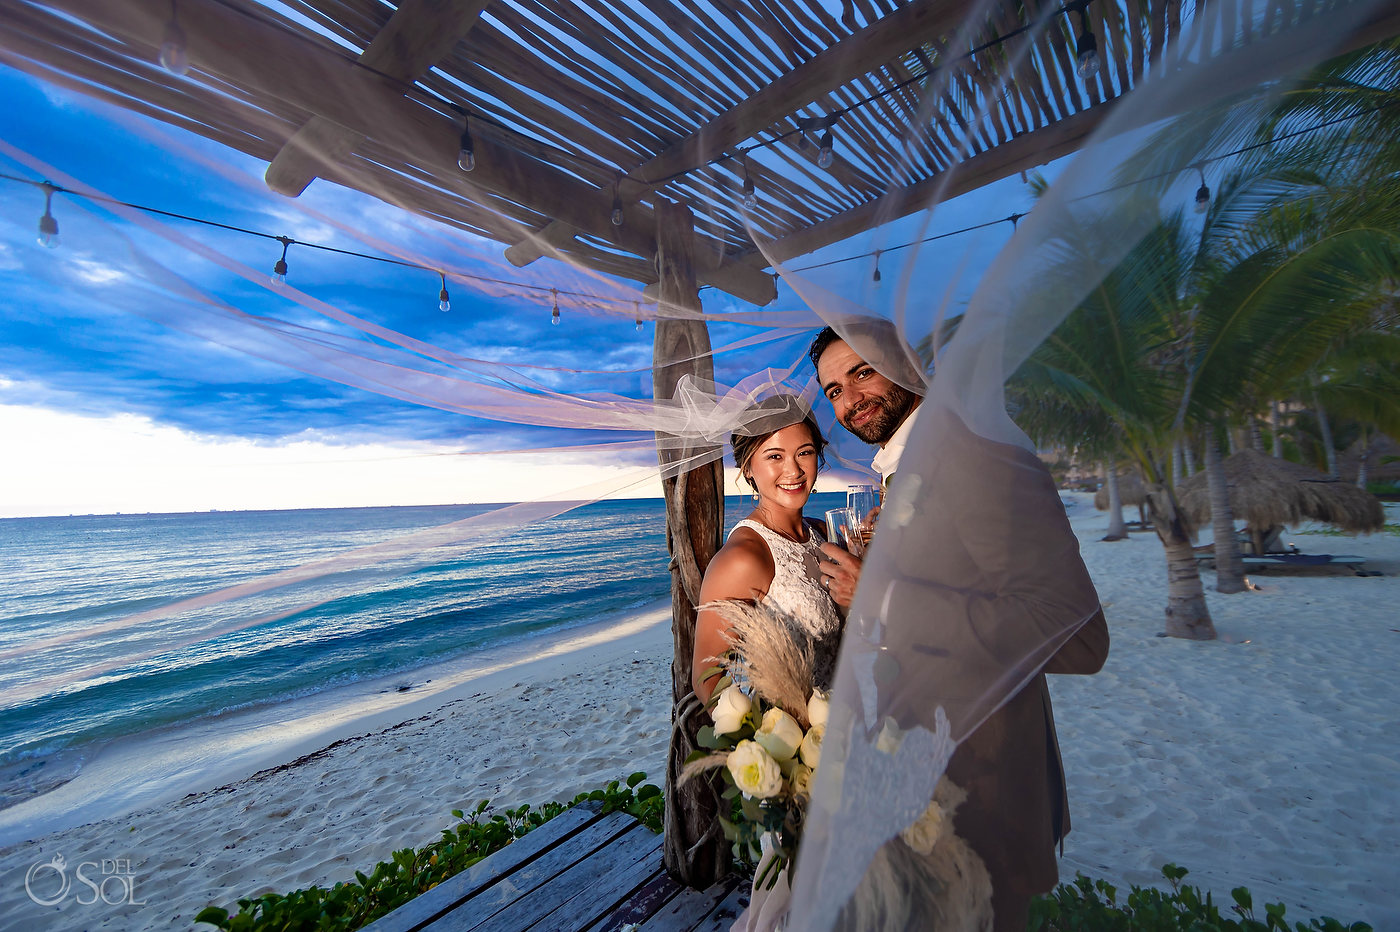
[840, 573]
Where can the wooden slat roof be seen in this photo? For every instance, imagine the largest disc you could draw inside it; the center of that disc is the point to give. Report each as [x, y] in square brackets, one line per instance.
[572, 100]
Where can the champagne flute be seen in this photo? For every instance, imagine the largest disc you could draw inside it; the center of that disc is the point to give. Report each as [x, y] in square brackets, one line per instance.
[862, 500]
[836, 519]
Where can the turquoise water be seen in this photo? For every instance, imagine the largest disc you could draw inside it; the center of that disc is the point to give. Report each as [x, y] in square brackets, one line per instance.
[77, 576]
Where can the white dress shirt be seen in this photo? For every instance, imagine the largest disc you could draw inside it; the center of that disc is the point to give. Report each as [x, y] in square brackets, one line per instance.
[887, 460]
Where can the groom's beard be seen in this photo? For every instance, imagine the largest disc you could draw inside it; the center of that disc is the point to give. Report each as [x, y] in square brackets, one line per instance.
[894, 406]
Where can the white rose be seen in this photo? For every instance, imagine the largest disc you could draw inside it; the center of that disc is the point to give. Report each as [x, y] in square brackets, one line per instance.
[811, 749]
[817, 709]
[890, 737]
[927, 829]
[779, 734]
[730, 710]
[802, 780]
[754, 772]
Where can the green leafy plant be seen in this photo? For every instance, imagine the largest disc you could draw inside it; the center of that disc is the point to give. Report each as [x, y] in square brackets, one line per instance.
[1092, 906]
[350, 905]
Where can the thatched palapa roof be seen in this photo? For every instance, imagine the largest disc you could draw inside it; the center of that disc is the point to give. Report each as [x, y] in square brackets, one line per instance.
[1130, 490]
[1266, 491]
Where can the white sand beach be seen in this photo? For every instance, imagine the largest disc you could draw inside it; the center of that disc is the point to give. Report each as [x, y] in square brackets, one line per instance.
[1269, 758]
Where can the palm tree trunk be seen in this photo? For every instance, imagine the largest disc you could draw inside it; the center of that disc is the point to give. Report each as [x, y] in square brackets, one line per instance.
[1365, 455]
[1178, 463]
[1229, 568]
[1326, 430]
[1256, 440]
[1189, 455]
[1188, 616]
[1117, 530]
[1275, 422]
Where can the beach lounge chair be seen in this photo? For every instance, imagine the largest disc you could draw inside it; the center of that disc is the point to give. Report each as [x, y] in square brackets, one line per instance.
[579, 871]
[1295, 561]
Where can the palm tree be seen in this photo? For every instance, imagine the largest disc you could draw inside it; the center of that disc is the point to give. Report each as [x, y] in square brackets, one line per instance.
[1111, 374]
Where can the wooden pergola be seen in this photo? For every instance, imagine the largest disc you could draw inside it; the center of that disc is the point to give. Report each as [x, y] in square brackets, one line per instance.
[661, 109]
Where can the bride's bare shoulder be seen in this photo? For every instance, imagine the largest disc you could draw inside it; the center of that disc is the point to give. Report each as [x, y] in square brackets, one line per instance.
[742, 565]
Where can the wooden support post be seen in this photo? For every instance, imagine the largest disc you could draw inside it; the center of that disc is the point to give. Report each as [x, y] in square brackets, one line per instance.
[696, 853]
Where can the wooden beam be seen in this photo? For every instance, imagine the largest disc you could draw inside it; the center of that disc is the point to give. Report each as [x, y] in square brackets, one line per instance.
[695, 851]
[414, 39]
[1047, 144]
[318, 79]
[542, 242]
[856, 55]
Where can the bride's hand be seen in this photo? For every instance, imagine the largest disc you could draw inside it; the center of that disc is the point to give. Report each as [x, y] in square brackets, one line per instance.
[840, 573]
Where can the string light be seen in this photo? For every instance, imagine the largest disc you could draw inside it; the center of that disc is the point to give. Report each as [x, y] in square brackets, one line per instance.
[1086, 47]
[750, 200]
[876, 277]
[444, 303]
[48, 226]
[824, 154]
[466, 152]
[617, 204]
[279, 271]
[1202, 193]
[637, 306]
[173, 56]
[554, 314]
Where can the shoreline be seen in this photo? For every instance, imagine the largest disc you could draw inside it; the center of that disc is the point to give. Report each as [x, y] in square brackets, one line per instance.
[170, 763]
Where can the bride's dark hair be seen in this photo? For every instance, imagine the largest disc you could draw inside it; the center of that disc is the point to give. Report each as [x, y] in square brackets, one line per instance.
[764, 418]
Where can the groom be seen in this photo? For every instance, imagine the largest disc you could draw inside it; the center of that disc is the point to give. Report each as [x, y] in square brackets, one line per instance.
[1017, 810]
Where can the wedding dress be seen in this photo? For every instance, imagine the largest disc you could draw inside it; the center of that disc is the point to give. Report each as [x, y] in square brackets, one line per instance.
[796, 592]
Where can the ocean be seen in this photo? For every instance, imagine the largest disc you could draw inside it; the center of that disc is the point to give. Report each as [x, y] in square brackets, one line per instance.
[76, 675]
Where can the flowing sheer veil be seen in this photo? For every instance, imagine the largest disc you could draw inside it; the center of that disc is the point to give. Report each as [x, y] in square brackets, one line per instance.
[968, 589]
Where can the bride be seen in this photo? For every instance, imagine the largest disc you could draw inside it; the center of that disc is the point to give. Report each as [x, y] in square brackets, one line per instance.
[772, 555]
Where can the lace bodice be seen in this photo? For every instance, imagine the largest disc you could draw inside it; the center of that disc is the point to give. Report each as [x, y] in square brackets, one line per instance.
[796, 588]
[796, 591]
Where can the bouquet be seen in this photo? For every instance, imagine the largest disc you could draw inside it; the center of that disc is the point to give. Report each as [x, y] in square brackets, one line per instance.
[766, 743]
[766, 739]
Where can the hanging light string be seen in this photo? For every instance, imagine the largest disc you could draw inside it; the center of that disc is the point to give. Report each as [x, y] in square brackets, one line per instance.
[1200, 201]
[927, 239]
[50, 189]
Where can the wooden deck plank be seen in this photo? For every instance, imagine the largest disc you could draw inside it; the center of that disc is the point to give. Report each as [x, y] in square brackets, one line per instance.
[725, 911]
[689, 908]
[657, 891]
[606, 885]
[428, 906]
[576, 871]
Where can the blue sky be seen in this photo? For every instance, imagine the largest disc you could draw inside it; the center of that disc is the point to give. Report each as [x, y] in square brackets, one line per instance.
[89, 342]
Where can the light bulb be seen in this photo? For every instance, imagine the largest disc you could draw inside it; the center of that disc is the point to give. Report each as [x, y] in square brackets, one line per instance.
[750, 194]
[173, 57]
[279, 272]
[639, 325]
[443, 303]
[1202, 198]
[466, 159]
[554, 317]
[824, 155]
[48, 230]
[1088, 55]
[876, 277]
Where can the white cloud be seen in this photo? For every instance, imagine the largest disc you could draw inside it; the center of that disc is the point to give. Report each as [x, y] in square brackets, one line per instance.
[95, 272]
[61, 463]
[8, 260]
